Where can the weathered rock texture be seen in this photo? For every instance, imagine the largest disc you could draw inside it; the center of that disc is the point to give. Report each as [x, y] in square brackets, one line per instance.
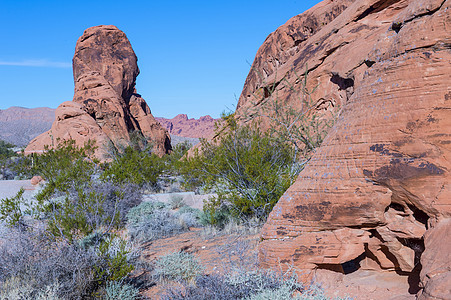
[105, 107]
[376, 195]
[180, 125]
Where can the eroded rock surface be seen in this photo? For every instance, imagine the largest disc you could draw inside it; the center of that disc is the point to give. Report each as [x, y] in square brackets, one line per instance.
[180, 125]
[376, 195]
[106, 106]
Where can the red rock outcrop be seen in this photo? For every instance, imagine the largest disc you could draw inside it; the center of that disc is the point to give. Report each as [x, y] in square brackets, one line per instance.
[376, 195]
[180, 125]
[105, 107]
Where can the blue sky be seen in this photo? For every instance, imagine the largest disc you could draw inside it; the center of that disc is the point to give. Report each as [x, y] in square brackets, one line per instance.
[193, 55]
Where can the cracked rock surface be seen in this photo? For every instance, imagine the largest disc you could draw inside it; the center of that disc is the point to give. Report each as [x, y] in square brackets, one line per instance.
[376, 196]
[106, 107]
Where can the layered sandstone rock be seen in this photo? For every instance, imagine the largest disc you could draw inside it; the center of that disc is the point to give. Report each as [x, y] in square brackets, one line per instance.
[376, 196]
[105, 107]
[180, 125]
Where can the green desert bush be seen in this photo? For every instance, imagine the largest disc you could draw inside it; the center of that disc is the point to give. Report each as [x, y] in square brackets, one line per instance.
[179, 266]
[135, 166]
[62, 167]
[249, 170]
[6, 150]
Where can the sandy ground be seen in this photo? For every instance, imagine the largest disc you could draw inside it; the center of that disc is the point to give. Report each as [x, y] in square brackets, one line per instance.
[190, 198]
[9, 188]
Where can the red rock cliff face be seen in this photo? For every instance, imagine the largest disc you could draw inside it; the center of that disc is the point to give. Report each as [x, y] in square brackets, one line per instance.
[105, 107]
[377, 194]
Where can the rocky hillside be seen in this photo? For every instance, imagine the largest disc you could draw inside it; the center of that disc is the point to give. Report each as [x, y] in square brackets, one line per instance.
[375, 197]
[20, 125]
[106, 106]
[180, 125]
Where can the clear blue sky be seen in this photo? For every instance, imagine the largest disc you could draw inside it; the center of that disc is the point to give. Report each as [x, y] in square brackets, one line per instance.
[193, 55]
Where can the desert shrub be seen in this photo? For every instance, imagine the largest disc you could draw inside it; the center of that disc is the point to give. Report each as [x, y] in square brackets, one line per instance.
[159, 224]
[189, 219]
[118, 290]
[188, 209]
[93, 206]
[34, 260]
[173, 160]
[15, 288]
[153, 220]
[114, 261]
[180, 266]
[240, 285]
[11, 209]
[5, 150]
[176, 201]
[249, 285]
[62, 167]
[115, 198]
[138, 167]
[137, 213]
[215, 214]
[68, 271]
[249, 169]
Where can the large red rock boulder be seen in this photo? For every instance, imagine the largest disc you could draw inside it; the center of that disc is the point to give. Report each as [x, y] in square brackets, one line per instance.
[376, 196]
[105, 107]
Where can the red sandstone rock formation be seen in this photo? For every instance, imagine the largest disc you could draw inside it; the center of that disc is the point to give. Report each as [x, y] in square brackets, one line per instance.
[180, 125]
[105, 107]
[377, 194]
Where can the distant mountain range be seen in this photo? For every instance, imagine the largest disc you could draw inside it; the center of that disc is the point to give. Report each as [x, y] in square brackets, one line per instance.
[194, 128]
[19, 125]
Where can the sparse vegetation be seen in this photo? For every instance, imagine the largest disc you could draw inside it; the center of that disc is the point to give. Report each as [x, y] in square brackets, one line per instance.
[248, 169]
[248, 285]
[5, 150]
[115, 290]
[134, 166]
[180, 266]
[7, 161]
[71, 242]
[154, 220]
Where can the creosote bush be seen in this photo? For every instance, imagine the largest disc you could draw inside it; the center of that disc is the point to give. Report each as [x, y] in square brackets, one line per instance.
[65, 239]
[62, 167]
[5, 150]
[248, 169]
[134, 166]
